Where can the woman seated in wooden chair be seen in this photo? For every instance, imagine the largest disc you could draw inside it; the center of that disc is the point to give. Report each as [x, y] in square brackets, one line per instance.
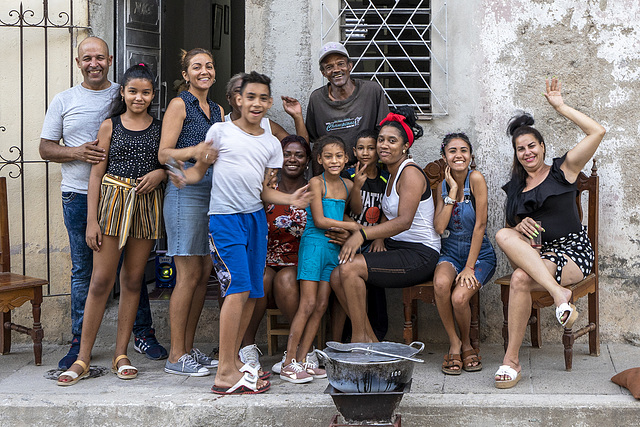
[546, 194]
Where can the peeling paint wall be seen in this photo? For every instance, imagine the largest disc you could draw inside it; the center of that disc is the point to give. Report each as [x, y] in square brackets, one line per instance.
[499, 54]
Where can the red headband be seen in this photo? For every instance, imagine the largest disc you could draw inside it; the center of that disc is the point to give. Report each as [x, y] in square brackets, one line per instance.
[393, 117]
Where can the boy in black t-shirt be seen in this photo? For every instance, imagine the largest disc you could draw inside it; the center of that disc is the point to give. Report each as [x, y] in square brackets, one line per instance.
[371, 181]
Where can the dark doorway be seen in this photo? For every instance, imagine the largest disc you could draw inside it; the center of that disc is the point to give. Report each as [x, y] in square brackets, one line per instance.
[155, 30]
[216, 25]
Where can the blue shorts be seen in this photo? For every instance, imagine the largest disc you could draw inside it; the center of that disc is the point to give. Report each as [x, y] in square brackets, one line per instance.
[185, 217]
[317, 258]
[239, 251]
[455, 251]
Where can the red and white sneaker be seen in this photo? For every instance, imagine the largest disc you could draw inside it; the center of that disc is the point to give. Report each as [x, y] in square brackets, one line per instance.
[313, 369]
[295, 373]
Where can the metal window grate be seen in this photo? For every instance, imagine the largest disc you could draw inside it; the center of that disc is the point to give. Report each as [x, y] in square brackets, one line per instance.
[401, 44]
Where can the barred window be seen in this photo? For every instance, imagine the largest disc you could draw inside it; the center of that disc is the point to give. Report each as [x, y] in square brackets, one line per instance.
[399, 43]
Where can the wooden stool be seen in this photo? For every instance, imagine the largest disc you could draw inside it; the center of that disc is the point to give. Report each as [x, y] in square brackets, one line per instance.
[16, 289]
[276, 328]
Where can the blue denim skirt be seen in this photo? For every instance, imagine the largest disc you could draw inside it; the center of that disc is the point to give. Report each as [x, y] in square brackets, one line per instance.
[186, 217]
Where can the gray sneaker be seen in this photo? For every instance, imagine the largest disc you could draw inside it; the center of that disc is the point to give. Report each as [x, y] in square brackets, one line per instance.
[203, 359]
[250, 355]
[313, 357]
[186, 366]
[278, 366]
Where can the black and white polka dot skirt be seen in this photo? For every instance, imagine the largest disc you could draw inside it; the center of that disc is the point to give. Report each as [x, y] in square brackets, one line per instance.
[576, 246]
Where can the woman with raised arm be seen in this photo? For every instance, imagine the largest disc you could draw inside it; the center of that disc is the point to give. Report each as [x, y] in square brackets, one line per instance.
[412, 245]
[541, 200]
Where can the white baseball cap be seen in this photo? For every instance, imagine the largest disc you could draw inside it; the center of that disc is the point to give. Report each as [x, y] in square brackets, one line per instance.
[332, 47]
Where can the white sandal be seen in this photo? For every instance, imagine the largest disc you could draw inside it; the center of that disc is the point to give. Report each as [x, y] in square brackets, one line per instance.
[252, 370]
[75, 377]
[118, 371]
[506, 371]
[248, 384]
[571, 318]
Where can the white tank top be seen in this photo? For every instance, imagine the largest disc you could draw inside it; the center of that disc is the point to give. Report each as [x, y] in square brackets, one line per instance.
[264, 123]
[421, 230]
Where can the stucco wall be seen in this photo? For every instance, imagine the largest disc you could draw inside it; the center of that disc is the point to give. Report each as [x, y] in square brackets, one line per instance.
[499, 54]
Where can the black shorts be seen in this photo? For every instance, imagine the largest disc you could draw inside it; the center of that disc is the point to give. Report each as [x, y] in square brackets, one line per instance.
[403, 264]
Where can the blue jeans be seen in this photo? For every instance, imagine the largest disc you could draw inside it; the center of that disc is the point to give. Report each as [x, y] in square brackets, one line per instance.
[74, 210]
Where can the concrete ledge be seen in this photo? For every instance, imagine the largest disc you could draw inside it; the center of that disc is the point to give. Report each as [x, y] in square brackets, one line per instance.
[417, 409]
[546, 395]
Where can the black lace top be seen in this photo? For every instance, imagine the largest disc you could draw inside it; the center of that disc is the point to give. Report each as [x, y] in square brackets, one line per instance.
[133, 153]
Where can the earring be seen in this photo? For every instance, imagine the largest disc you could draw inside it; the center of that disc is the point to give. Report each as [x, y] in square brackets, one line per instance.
[214, 80]
[404, 151]
[121, 98]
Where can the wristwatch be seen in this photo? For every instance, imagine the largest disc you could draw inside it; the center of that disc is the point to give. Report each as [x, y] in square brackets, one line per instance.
[449, 201]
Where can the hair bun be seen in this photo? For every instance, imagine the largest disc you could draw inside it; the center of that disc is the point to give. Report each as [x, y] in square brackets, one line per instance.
[410, 119]
[522, 119]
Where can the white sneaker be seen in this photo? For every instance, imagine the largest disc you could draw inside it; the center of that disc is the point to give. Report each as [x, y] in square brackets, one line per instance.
[250, 355]
[278, 366]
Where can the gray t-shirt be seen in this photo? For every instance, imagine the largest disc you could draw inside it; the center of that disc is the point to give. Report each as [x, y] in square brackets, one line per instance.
[75, 115]
[239, 171]
[364, 109]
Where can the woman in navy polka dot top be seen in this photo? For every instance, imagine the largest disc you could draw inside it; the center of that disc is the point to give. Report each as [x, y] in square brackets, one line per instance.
[186, 122]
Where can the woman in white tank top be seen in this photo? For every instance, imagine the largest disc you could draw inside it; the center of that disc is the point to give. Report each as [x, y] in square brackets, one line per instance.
[412, 245]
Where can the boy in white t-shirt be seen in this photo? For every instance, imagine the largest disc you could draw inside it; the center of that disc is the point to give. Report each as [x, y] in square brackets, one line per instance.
[244, 155]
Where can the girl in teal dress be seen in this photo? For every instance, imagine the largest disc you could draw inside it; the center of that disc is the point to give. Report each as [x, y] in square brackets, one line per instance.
[317, 258]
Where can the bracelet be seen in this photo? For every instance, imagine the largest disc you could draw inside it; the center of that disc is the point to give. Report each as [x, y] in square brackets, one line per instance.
[364, 235]
[472, 269]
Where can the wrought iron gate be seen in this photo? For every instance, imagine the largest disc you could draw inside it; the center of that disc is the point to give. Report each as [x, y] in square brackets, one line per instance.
[27, 33]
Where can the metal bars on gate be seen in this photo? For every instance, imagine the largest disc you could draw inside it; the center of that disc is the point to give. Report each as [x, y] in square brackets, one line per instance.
[13, 163]
[402, 44]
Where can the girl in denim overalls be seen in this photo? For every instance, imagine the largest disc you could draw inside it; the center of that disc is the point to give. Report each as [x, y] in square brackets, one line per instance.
[467, 260]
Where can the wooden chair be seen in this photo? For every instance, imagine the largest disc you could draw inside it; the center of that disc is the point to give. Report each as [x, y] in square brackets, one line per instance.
[424, 291]
[16, 289]
[586, 287]
[277, 327]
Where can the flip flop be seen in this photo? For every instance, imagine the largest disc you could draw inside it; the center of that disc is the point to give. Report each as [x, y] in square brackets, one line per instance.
[246, 385]
[451, 360]
[571, 318]
[119, 371]
[75, 377]
[469, 357]
[509, 372]
[265, 375]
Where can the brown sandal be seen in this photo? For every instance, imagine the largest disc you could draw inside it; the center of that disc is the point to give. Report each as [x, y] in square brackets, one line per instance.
[470, 357]
[452, 361]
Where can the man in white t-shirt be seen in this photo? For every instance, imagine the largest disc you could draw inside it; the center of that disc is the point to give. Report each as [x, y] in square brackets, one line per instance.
[75, 116]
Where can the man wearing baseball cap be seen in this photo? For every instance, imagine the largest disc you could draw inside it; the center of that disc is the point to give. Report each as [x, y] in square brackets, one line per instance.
[344, 106]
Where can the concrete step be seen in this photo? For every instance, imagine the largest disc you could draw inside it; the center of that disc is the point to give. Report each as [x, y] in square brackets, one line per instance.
[546, 395]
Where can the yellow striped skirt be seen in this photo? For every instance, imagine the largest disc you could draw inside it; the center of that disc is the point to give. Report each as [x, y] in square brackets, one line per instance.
[123, 213]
